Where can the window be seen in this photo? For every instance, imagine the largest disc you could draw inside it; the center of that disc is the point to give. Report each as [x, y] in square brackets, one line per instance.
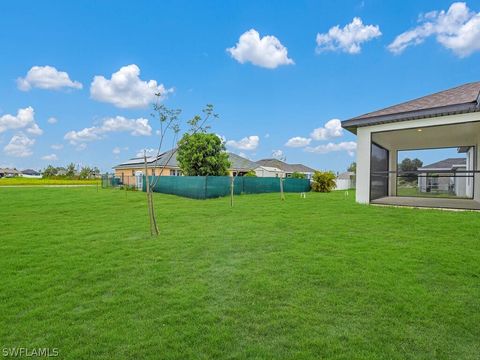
[172, 172]
[133, 172]
[153, 172]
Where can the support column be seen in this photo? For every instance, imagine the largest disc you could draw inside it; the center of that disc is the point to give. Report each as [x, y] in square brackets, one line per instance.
[392, 167]
[476, 186]
[363, 166]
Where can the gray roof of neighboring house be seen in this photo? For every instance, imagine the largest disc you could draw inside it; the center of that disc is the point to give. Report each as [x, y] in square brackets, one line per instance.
[166, 159]
[284, 166]
[446, 164]
[9, 171]
[457, 100]
[240, 163]
[346, 175]
[30, 172]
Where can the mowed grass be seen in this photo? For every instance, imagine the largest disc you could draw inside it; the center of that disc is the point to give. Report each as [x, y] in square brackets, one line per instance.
[320, 277]
[34, 181]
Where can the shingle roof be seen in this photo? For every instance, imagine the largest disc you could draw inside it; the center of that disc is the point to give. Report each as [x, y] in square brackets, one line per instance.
[460, 99]
[166, 159]
[240, 163]
[446, 164]
[30, 172]
[284, 166]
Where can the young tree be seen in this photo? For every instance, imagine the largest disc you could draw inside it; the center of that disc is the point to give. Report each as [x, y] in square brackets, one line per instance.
[170, 124]
[353, 167]
[85, 172]
[70, 173]
[409, 167]
[323, 181]
[49, 172]
[202, 154]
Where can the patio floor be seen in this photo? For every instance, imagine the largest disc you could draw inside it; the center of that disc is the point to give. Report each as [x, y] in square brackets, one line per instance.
[465, 204]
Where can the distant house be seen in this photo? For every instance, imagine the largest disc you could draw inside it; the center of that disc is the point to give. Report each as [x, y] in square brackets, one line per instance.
[268, 171]
[6, 172]
[167, 161]
[288, 169]
[30, 173]
[345, 181]
[441, 177]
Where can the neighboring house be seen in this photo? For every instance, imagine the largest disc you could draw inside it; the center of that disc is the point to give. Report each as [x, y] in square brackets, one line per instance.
[345, 181]
[288, 169]
[9, 172]
[30, 173]
[268, 171]
[127, 171]
[450, 118]
[445, 177]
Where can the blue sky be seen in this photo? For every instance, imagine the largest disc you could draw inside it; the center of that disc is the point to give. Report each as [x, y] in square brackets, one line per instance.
[267, 90]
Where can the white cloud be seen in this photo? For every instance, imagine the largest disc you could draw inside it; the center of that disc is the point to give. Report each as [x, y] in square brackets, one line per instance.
[57, 146]
[125, 89]
[34, 129]
[46, 77]
[51, 157]
[116, 150]
[266, 52]
[278, 154]
[19, 146]
[136, 127]
[457, 29]
[348, 146]
[81, 147]
[25, 119]
[347, 39]
[332, 129]
[298, 141]
[52, 120]
[247, 143]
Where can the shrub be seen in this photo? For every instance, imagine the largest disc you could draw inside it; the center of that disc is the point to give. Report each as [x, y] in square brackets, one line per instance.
[323, 181]
[251, 173]
[297, 175]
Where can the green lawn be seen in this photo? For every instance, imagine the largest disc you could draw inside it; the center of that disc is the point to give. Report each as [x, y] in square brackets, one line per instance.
[33, 181]
[320, 277]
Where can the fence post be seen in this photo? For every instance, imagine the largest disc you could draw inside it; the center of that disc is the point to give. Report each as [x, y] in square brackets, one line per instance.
[206, 179]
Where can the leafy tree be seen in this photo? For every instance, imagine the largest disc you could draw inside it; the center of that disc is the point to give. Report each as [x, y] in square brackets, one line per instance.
[70, 171]
[251, 173]
[353, 167]
[298, 175]
[202, 154]
[49, 172]
[409, 167]
[85, 172]
[323, 181]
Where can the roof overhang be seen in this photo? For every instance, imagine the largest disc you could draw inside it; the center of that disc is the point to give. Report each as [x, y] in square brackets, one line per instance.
[354, 123]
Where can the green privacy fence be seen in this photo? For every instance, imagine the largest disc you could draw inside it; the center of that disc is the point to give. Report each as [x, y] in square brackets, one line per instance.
[206, 187]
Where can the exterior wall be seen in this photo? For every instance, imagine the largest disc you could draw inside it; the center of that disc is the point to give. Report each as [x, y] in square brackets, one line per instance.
[344, 184]
[128, 174]
[363, 165]
[260, 172]
[364, 143]
[476, 186]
